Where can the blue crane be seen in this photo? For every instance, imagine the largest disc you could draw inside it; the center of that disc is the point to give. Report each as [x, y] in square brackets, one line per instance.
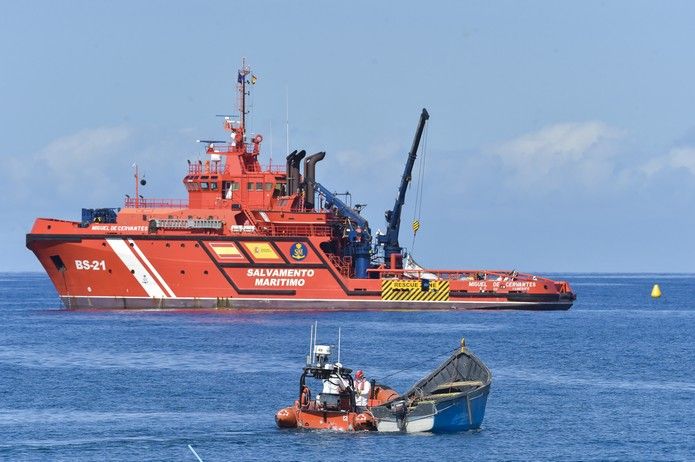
[393, 217]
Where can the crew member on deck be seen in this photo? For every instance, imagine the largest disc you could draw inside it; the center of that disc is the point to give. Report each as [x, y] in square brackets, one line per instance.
[333, 387]
[362, 390]
[334, 384]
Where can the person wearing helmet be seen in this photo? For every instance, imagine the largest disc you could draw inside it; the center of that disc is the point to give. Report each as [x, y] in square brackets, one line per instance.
[362, 390]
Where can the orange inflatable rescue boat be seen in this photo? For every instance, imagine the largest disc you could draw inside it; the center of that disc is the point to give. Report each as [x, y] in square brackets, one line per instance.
[336, 406]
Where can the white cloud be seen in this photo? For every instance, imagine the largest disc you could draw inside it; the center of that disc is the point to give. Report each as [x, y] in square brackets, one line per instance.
[77, 164]
[84, 157]
[551, 157]
[93, 167]
[677, 158]
[358, 161]
[374, 168]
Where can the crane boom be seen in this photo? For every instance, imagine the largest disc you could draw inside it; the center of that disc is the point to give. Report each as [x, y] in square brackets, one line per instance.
[393, 217]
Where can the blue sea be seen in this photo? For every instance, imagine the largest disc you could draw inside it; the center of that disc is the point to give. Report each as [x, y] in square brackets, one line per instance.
[611, 379]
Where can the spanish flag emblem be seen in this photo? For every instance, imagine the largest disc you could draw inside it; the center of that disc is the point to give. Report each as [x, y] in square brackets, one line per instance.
[227, 251]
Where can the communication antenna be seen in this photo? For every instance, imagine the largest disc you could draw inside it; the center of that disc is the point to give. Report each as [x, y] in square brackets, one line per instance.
[271, 144]
[137, 185]
[243, 72]
[309, 357]
[287, 118]
[338, 344]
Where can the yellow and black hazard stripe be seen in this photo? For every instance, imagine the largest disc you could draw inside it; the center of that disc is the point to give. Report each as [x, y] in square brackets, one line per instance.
[395, 289]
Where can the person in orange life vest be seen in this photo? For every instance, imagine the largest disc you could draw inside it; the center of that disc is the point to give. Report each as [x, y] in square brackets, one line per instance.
[362, 389]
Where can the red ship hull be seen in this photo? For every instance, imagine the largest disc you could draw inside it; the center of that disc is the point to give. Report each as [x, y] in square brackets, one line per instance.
[92, 269]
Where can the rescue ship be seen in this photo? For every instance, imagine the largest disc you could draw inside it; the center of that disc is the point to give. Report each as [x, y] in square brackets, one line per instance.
[261, 237]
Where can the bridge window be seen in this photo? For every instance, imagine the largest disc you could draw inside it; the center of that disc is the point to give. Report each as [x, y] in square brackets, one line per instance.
[249, 186]
[226, 189]
[279, 189]
[235, 185]
[203, 185]
[213, 186]
[259, 186]
[269, 186]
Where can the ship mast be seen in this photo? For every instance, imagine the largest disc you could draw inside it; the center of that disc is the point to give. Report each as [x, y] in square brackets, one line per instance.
[241, 79]
[137, 181]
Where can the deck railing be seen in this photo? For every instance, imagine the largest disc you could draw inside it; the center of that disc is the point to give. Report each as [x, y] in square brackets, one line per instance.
[274, 229]
[206, 168]
[218, 168]
[147, 203]
[471, 275]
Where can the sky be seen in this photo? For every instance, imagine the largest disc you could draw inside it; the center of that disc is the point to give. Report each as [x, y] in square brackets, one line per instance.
[561, 135]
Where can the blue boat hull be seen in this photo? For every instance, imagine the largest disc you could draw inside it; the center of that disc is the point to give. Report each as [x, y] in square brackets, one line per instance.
[461, 414]
[446, 415]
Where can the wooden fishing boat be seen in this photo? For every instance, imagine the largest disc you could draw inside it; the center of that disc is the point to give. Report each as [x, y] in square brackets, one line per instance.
[450, 399]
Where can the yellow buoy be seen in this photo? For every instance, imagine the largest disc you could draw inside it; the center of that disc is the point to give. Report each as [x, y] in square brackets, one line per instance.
[656, 291]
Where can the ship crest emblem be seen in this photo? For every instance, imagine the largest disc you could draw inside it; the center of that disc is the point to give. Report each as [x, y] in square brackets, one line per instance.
[298, 251]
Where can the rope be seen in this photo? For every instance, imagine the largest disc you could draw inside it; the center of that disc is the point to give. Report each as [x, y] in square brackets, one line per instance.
[419, 187]
[448, 352]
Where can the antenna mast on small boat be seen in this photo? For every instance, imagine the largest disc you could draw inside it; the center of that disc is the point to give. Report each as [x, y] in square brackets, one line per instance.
[312, 343]
[338, 344]
[309, 357]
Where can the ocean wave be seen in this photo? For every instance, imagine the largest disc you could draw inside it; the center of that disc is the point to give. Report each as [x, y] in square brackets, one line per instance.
[558, 378]
[49, 416]
[242, 362]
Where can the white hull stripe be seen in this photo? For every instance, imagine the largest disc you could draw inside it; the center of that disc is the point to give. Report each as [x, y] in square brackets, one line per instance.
[140, 273]
[151, 267]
